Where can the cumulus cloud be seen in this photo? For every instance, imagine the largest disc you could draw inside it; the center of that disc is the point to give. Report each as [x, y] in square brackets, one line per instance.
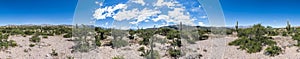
[126, 15]
[176, 14]
[164, 3]
[146, 20]
[135, 14]
[139, 2]
[203, 17]
[160, 17]
[102, 13]
[106, 23]
[201, 24]
[96, 2]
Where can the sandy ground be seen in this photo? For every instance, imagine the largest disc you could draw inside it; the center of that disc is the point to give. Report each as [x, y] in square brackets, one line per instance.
[216, 48]
[41, 50]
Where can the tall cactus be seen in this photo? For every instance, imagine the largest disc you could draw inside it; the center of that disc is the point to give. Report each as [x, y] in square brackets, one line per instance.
[288, 27]
[237, 25]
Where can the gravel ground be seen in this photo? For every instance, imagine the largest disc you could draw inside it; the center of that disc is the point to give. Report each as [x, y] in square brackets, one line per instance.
[213, 48]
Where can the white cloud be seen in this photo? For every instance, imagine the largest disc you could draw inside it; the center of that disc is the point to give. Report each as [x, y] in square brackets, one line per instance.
[146, 20]
[126, 15]
[99, 3]
[174, 15]
[162, 3]
[161, 17]
[106, 23]
[133, 22]
[178, 16]
[201, 24]
[145, 14]
[195, 9]
[96, 2]
[98, 14]
[135, 14]
[139, 1]
[102, 13]
[203, 17]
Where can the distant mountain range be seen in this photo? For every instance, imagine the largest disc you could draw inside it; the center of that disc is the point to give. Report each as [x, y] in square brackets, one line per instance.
[184, 27]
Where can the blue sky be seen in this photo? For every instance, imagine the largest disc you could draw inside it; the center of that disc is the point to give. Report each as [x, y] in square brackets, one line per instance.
[147, 13]
[36, 11]
[268, 12]
[248, 12]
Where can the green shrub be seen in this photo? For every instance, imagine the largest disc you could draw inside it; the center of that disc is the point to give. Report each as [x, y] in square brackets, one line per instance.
[13, 43]
[141, 49]
[45, 36]
[31, 45]
[144, 51]
[4, 43]
[163, 31]
[98, 43]
[284, 33]
[201, 34]
[144, 42]
[173, 34]
[297, 38]
[169, 33]
[4, 36]
[191, 41]
[273, 33]
[119, 43]
[176, 42]
[118, 57]
[253, 39]
[131, 33]
[273, 51]
[174, 53]
[53, 53]
[70, 57]
[35, 38]
[27, 32]
[229, 32]
[25, 50]
[68, 35]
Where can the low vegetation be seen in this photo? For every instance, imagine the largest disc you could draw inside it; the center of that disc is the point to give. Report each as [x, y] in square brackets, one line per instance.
[119, 43]
[174, 53]
[297, 38]
[118, 57]
[35, 39]
[53, 53]
[273, 51]
[31, 45]
[254, 39]
[5, 43]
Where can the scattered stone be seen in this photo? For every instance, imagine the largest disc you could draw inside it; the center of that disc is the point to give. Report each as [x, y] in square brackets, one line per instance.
[298, 50]
[204, 50]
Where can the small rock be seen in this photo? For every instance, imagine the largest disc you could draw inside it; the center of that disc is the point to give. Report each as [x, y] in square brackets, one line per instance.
[205, 50]
[298, 50]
